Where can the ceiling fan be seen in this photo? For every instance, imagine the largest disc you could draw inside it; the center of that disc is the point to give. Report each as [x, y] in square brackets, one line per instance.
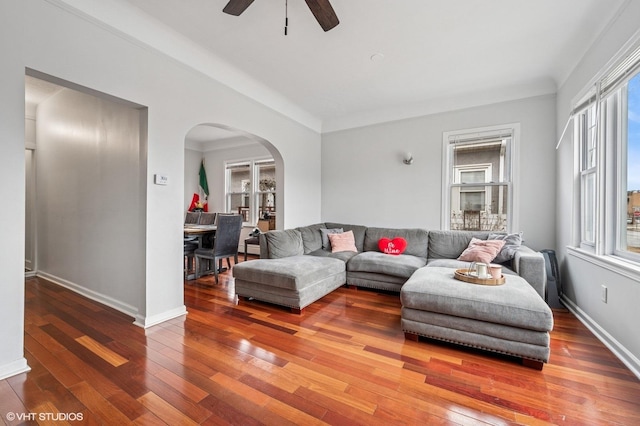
[321, 9]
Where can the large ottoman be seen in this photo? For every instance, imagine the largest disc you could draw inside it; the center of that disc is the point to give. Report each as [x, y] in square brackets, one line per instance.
[295, 281]
[510, 318]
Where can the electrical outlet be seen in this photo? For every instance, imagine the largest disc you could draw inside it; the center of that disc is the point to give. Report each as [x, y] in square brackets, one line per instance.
[604, 293]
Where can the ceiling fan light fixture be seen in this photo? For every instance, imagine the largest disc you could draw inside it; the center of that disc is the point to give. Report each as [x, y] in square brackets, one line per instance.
[321, 10]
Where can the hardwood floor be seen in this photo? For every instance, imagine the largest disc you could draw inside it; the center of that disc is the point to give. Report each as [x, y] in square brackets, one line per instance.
[343, 361]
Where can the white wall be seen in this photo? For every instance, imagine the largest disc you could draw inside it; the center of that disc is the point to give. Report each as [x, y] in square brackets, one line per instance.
[12, 194]
[64, 44]
[615, 322]
[90, 202]
[364, 180]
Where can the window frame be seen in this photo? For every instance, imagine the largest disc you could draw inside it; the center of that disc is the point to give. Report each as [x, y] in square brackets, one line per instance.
[608, 94]
[467, 188]
[258, 192]
[587, 125]
[510, 131]
[253, 194]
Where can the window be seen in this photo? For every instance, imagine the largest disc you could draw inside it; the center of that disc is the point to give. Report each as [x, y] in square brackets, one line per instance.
[251, 189]
[586, 132]
[266, 191]
[607, 137]
[479, 187]
[629, 194]
[472, 197]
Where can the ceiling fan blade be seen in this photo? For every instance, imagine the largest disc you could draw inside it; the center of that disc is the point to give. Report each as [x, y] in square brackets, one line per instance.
[236, 7]
[324, 13]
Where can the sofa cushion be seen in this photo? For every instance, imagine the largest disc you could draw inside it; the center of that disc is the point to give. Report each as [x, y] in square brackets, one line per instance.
[342, 255]
[311, 237]
[291, 273]
[342, 242]
[393, 247]
[513, 242]
[460, 264]
[514, 303]
[450, 244]
[402, 265]
[482, 250]
[358, 232]
[324, 234]
[284, 243]
[417, 239]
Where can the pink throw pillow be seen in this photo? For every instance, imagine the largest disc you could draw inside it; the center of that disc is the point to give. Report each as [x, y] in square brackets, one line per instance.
[343, 242]
[482, 250]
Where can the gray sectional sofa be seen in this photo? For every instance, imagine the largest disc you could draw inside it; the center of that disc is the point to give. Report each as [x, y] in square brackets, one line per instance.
[371, 268]
[295, 270]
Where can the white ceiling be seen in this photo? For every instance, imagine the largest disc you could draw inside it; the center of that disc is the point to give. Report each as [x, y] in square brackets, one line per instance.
[437, 54]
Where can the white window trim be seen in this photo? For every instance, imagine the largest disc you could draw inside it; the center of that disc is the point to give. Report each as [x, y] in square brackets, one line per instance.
[513, 208]
[608, 211]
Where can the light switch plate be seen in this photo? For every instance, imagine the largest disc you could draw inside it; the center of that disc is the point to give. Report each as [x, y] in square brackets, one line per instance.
[160, 179]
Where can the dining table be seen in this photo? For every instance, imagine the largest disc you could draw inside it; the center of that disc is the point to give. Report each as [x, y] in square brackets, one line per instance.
[199, 232]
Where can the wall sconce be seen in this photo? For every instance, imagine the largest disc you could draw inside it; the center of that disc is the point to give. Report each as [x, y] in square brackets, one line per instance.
[408, 159]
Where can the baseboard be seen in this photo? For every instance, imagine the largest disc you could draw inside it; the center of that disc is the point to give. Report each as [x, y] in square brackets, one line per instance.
[14, 368]
[118, 305]
[146, 322]
[627, 358]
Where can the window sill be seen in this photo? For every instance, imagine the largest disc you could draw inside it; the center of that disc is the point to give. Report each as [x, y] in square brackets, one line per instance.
[611, 263]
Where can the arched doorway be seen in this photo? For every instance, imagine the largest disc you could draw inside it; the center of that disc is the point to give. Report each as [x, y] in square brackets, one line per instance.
[245, 173]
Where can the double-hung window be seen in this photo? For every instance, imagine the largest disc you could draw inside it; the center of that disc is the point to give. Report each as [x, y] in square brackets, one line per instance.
[251, 189]
[479, 190]
[607, 138]
[586, 128]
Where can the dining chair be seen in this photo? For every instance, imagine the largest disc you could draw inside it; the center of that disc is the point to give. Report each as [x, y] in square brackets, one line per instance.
[225, 245]
[192, 218]
[189, 257]
[207, 218]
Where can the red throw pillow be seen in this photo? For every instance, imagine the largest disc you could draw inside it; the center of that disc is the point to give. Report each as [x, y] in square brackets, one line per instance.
[394, 246]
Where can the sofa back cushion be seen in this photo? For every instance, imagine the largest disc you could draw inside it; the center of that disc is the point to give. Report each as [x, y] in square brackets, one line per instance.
[451, 244]
[311, 237]
[358, 232]
[284, 243]
[417, 239]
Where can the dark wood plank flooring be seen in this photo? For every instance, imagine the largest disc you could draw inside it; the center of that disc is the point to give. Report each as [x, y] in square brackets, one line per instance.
[343, 361]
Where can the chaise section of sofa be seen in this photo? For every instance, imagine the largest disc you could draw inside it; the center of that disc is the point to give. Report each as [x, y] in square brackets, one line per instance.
[446, 246]
[294, 281]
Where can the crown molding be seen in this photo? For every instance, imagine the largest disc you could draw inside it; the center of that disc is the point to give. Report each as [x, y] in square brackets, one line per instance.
[131, 24]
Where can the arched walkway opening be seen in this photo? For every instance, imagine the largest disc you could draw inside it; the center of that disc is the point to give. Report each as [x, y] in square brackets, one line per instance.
[244, 173]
